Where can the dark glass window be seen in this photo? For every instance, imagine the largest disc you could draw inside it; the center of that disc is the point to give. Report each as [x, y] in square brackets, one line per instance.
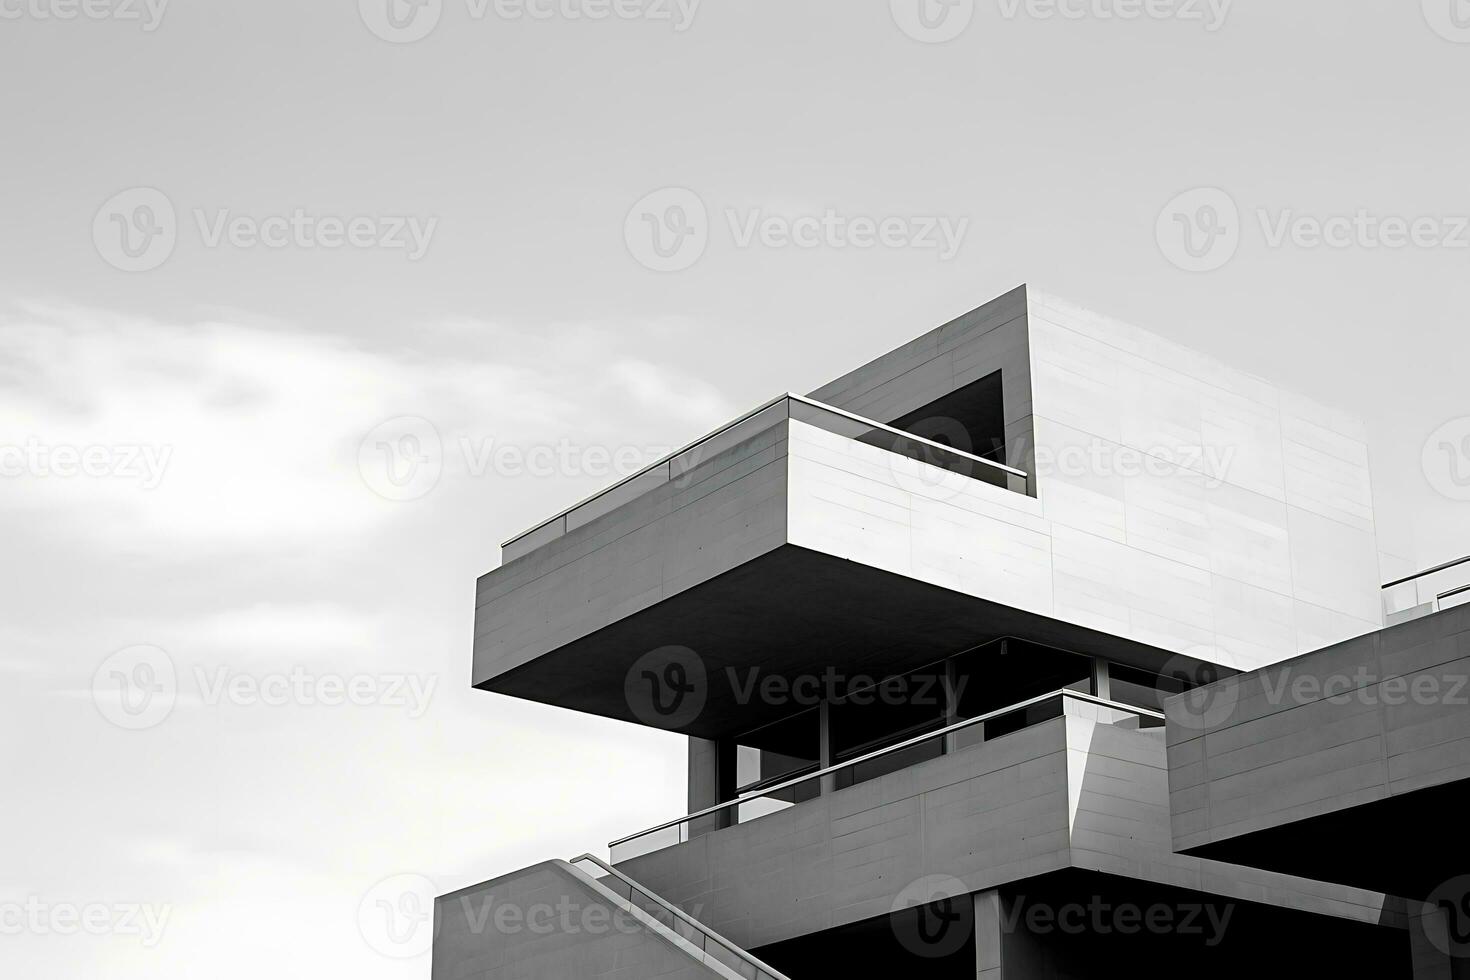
[778, 751]
[1010, 671]
[971, 418]
[1146, 689]
[886, 713]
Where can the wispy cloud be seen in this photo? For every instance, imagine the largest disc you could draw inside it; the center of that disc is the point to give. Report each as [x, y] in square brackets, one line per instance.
[260, 553]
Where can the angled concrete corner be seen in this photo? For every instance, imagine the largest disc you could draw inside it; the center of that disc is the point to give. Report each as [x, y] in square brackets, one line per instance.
[1168, 500]
[551, 921]
[1299, 764]
[1081, 791]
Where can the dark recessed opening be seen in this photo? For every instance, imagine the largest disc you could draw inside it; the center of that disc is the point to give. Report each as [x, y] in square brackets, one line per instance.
[971, 419]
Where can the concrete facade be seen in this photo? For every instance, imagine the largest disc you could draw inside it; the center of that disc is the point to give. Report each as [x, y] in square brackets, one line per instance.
[1071, 793]
[550, 921]
[1224, 517]
[1173, 501]
[1291, 765]
[1172, 511]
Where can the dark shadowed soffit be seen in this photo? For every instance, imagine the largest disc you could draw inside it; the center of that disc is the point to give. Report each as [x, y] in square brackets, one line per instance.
[790, 612]
[1405, 845]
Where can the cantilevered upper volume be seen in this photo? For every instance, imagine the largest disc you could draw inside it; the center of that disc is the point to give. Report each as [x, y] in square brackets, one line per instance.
[1029, 469]
[1350, 764]
[920, 625]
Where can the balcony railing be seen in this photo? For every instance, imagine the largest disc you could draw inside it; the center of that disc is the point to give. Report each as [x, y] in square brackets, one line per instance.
[783, 795]
[1427, 592]
[710, 944]
[677, 465]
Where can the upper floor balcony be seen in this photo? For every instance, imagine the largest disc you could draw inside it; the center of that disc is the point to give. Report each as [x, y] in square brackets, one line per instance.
[1064, 790]
[1433, 590]
[1027, 470]
[797, 536]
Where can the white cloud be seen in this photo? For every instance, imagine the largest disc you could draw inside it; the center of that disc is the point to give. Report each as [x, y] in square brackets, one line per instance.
[251, 430]
[249, 555]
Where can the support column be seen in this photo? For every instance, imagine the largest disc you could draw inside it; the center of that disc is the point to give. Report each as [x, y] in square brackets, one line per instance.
[989, 945]
[711, 781]
[828, 784]
[1428, 939]
[951, 705]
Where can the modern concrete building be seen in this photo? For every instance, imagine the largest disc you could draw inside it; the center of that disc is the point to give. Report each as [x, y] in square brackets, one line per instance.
[1350, 764]
[919, 628]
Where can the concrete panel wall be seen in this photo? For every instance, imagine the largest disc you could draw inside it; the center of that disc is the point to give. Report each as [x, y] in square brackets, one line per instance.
[868, 505]
[1205, 511]
[485, 933]
[1213, 513]
[1178, 502]
[728, 510]
[992, 813]
[1283, 745]
[1119, 791]
[1142, 566]
[1074, 792]
[985, 340]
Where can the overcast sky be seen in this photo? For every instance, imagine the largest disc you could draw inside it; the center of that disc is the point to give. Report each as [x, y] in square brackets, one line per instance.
[245, 247]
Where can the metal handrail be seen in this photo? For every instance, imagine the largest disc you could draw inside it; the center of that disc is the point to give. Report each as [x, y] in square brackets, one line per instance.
[666, 459]
[888, 750]
[1427, 571]
[1452, 592]
[760, 966]
[907, 435]
[651, 466]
